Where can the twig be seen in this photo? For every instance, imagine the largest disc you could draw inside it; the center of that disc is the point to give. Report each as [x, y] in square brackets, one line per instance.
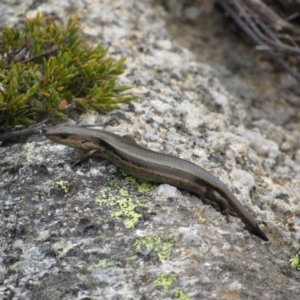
[270, 17]
[21, 134]
[46, 53]
[265, 41]
[105, 123]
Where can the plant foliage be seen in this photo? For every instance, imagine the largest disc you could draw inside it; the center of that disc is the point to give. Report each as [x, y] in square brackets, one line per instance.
[44, 66]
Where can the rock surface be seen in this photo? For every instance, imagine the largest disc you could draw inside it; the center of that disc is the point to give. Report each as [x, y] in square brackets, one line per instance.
[91, 232]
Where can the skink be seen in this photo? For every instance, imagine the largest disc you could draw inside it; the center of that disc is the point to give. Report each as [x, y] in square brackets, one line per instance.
[149, 165]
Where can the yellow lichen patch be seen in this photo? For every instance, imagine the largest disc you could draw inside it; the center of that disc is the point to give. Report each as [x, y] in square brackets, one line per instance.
[180, 295]
[63, 186]
[107, 263]
[295, 261]
[154, 243]
[164, 281]
[124, 192]
[121, 207]
[105, 195]
[146, 186]
[129, 179]
[126, 208]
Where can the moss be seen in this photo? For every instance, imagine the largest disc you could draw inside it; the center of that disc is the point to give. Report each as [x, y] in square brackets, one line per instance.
[44, 66]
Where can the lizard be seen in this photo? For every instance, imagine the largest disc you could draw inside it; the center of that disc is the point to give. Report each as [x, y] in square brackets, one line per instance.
[146, 164]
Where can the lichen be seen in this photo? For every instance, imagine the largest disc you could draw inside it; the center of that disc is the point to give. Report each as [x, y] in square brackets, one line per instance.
[63, 186]
[180, 295]
[146, 186]
[154, 243]
[107, 264]
[126, 208]
[105, 195]
[124, 192]
[130, 179]
[164, 281]
[121, 207]
[295, 262]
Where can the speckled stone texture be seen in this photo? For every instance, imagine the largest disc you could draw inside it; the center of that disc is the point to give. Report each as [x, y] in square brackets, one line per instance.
[58, 244]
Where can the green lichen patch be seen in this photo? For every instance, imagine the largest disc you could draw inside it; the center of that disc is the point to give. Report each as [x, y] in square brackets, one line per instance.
[102, 262]
[107, 264]
[126, 208]
[130, 179]
[44, 66]
[122, 207]
[124, 192]
[154, 243]
[115, 182]
[146, 186]
[165, 281]
[295, 262]
[105, 196]
[141, 186]
[63, 186]
[180, 295]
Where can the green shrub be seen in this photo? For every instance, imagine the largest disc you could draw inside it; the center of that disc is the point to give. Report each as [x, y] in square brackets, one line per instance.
[43, 67]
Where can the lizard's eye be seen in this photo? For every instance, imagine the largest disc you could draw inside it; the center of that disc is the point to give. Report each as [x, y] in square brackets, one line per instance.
[64, 136]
